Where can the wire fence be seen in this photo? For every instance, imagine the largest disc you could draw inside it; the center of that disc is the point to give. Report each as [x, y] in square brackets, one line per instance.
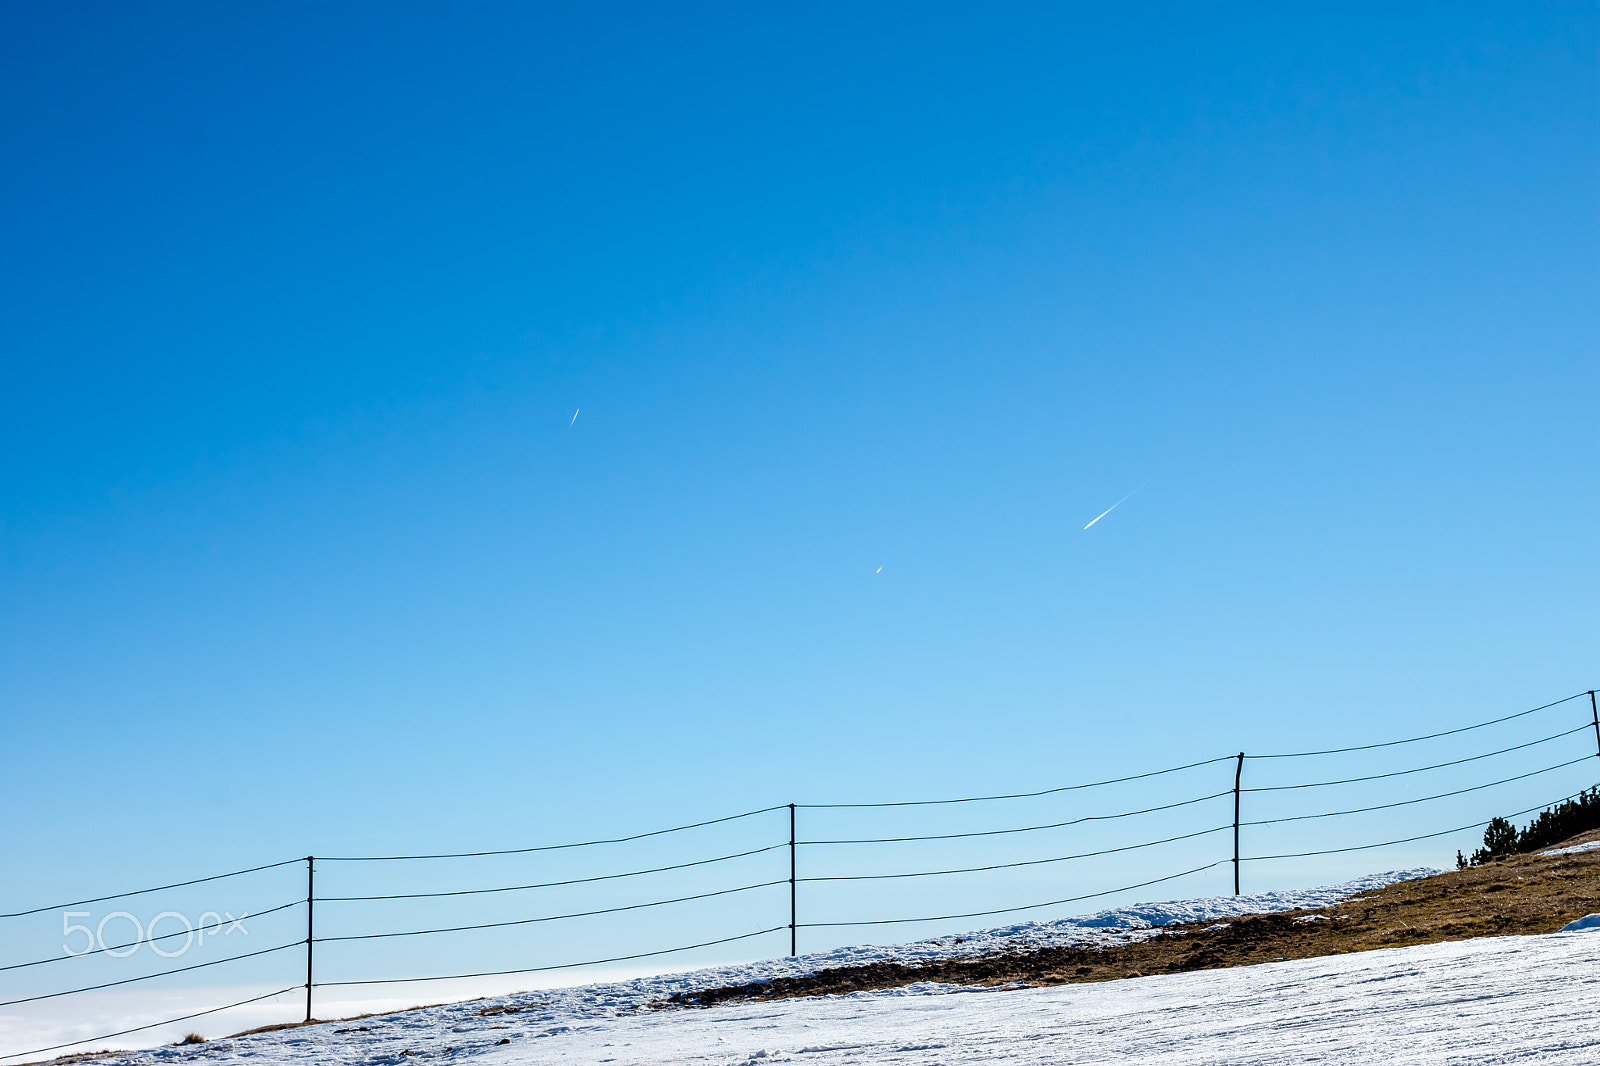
[810, 867]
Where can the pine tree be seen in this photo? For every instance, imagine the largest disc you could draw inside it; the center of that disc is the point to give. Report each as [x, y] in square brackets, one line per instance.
[1568, 819]
[1500, 838]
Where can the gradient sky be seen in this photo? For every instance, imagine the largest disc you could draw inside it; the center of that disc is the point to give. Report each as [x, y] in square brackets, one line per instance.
[301, 550]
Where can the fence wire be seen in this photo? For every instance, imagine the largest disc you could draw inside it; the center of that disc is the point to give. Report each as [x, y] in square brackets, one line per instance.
[793, 843]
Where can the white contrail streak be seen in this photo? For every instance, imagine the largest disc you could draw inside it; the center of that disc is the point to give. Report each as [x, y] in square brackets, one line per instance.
[1161, 470]
[574, 417]
[1102, 514]
[1120, 502]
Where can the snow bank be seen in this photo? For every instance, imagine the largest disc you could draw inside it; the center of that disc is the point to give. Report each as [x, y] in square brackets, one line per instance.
[1492, 1000]
[552, 1018]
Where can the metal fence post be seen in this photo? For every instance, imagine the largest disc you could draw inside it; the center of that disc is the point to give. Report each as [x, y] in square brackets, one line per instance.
[1596, 712]
[792, 908]
[311, 874]
[1238, 773]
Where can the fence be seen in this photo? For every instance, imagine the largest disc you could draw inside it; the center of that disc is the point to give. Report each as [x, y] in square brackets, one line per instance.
[787, 854]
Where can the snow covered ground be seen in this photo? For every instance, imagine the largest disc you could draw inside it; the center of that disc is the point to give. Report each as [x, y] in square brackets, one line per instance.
[1574, 849]
[1507, 999]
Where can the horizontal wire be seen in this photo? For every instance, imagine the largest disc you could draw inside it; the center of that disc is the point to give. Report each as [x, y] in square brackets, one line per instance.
[765, 810]
[1010, 910]
[549, 918]
[1420, 769]
[551, 884]
[559, 966]
[1024, 829]
[1430, 736]
[1013, 865]
[152, 976]
[146, 891]
[1014, 795]
[152, 1025]
[1423, 799]
[1404, 840]
[553, 847]
[146, 940]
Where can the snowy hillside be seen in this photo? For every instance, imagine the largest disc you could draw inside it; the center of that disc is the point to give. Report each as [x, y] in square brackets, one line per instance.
[1503, 999]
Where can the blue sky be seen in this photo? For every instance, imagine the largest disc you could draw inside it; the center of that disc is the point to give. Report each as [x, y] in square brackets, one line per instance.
[301, 550]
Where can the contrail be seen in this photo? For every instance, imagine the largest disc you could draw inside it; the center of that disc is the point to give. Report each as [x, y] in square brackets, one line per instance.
[1159, 471]
[1120, 502]
[574, 417]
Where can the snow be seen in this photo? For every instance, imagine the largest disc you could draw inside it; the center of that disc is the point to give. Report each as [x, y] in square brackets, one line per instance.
[1588, 921]
[1491, 1000]
[1520, 999]
[1574, 849]
[1503, 999]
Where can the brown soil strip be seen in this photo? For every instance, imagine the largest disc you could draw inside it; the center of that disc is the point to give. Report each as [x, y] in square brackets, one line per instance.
[1519, 895]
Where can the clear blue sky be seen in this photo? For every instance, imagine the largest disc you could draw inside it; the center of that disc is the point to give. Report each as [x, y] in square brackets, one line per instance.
[302, 550]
